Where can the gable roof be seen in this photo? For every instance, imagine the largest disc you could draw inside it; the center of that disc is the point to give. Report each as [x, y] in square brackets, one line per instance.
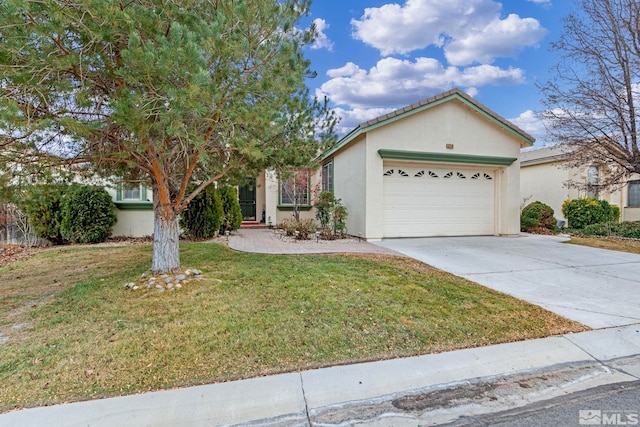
[425, 104]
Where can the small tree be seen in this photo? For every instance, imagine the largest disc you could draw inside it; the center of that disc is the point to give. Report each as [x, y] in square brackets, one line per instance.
[204, 216]
[295, 189]
[231, 208]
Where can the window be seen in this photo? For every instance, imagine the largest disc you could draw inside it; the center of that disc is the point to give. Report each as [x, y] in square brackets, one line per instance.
[295, 190]
[593, 179]
[327, 176]
[131, 192]
[633, 188]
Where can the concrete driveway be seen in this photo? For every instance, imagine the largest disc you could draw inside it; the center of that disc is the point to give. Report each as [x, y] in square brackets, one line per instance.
[597, 287]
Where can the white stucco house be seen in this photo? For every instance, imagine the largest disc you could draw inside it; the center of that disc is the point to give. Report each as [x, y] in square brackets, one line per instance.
[545, 177]
[444, 166]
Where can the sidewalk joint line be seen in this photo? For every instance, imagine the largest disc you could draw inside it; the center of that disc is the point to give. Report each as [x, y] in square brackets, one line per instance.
[304, 397]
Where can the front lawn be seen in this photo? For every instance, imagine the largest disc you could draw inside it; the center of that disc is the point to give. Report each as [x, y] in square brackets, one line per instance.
[614, 244]
[70, 331]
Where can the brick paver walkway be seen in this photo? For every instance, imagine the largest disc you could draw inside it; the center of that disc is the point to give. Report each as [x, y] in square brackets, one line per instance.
[269, 242]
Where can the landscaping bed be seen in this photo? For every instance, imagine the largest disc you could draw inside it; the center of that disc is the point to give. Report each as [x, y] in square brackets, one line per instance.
[71, 329]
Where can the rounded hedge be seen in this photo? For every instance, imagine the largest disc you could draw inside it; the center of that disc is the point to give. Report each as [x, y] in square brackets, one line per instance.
[537, 215]
[87, 214]
[583, 212]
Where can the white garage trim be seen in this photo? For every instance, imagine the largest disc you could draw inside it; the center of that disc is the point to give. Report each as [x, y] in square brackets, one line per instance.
[439, 200]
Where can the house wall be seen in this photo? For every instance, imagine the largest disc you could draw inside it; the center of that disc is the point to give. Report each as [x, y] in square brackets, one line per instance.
[349, 177]
[430, 131]
[133, 223]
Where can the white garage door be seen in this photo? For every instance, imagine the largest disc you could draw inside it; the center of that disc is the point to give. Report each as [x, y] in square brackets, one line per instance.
[438, 201]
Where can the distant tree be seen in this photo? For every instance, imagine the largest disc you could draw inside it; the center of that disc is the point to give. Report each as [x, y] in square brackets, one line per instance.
[168, 92]
[295, 189]
[592, 98]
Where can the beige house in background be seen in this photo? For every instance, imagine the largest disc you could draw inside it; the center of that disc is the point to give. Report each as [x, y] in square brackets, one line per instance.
[445, 166]
[545, 178]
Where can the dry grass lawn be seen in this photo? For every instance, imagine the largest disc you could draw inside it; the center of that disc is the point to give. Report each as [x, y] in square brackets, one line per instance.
[70, 331]
[622, 245]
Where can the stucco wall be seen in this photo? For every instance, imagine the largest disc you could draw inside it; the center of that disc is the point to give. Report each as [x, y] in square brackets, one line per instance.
[545, 183]
[133, 223]
[349, 178]
[430, 131]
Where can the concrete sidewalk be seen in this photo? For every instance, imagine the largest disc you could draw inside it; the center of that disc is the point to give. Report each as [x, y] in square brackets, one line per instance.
[400, 392]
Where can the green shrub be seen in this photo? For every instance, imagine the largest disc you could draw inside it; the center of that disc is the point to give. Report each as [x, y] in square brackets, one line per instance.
[43, 206]
[204, 215]
[537, 215]
[231, 207]
[628, 229]
[615, 213]
[602, 229]
[88, 214]
[339, 215]
[583, 212]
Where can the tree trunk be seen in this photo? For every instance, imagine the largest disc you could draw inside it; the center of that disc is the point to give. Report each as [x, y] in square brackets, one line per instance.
[166, 242]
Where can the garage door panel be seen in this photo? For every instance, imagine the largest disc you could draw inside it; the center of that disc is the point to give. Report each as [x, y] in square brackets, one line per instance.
[431, 201]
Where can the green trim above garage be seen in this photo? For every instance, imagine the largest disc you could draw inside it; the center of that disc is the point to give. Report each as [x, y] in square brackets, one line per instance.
[424, 156]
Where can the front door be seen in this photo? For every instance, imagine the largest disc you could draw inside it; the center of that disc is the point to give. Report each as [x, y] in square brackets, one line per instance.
[247, 198]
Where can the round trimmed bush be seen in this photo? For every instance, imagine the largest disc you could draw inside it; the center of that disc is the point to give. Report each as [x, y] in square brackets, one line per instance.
[87, 215]
[583, 212]
[537, 215]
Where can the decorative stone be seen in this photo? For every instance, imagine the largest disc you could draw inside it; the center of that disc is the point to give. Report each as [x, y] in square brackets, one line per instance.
[170, 286]
[178, 285]
[181, 277]
[168, 280]
[160, 289]
[135, 288]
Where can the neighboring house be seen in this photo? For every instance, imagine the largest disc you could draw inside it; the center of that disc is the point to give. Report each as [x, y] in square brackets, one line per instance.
[445, 166]
[544, 177]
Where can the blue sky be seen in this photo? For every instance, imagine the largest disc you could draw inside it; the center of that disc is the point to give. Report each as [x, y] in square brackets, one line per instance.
[373, 56]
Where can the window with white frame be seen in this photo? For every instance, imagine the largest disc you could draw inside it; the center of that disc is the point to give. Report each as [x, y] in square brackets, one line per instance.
[327, 176]
[295, 190]
[633, 188]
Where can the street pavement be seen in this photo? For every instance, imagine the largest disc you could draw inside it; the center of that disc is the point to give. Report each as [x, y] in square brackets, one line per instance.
[455, 387]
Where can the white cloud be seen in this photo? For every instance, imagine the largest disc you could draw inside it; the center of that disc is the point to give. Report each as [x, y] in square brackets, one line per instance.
[349, 119]
[531, 123]
[322, 40]
[468, 30]
[394, 82]
[501, 38]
